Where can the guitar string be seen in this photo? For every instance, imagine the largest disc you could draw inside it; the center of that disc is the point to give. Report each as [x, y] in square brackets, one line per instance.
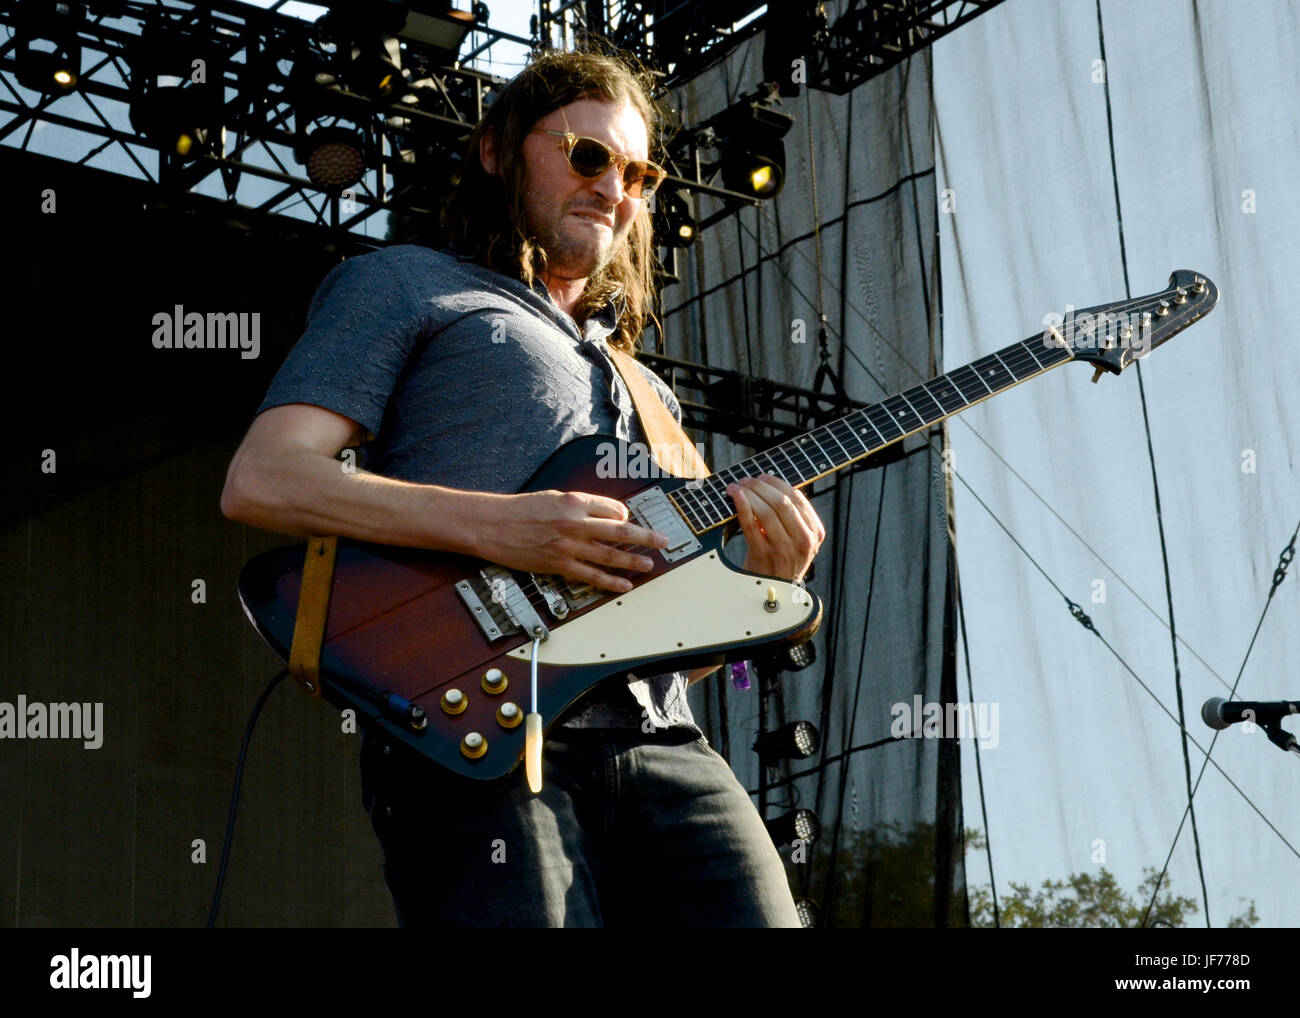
[541, 606]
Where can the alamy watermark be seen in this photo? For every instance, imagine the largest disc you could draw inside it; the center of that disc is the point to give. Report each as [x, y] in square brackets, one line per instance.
[636, 460]
[1101, 331]
[179, 329]
[23, 720]
[919, 720]
[77, 971]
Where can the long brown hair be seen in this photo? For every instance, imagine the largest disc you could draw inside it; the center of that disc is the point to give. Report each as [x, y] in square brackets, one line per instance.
[485, 214]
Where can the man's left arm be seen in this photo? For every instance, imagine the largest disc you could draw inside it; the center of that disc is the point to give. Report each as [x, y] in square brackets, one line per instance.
[782, 532]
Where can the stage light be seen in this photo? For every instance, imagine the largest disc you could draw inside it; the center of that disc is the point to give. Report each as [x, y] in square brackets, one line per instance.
[675, 224]
[334, 156]
[796, 741]
[797, 825]
[809, 914]
[375, 68]
[753, 155]
[176, 86]
[47, 53]
[440, 25]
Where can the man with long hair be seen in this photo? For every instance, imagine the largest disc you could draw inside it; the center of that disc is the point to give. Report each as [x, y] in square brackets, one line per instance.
[459, 372]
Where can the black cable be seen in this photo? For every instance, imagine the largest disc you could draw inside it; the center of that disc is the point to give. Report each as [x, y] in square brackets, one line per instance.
[234, 794]
[979, 769]
[1155, 484]
[1279, 574]
[1087, 623]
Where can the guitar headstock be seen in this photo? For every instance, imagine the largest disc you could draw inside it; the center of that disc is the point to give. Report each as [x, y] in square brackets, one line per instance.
[1112, 336]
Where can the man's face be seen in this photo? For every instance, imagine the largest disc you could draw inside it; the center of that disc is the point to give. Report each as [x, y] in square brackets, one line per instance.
[581, 223]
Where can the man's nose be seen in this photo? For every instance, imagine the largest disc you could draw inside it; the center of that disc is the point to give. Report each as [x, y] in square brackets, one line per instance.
[609, 185]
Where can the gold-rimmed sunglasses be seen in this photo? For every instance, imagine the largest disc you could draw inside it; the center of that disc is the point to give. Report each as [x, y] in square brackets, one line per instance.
[590, 158]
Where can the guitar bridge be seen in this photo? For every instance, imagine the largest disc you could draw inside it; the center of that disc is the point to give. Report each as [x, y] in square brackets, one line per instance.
[563, 595]
[499, 605]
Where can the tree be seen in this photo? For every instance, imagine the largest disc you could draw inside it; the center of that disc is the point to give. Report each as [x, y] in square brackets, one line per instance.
[1086, 900]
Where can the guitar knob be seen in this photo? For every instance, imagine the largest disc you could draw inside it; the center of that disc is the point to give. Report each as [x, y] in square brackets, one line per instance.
[509, 715]
[454, 702]
[473, 745]
[494, 681]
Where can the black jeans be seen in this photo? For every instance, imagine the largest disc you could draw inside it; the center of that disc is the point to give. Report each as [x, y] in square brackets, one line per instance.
[628, 830]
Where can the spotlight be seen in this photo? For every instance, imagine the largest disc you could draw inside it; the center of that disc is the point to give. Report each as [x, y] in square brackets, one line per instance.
[753, 157]
[796, 741]
[788, 658]
[47, 52]
[329, 136]
[176, 85]
[675, 223]
[809, 914]
[374, 68]
[334, 156]
[797, 825]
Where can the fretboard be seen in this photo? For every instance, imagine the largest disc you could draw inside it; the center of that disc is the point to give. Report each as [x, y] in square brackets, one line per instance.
[802, 460]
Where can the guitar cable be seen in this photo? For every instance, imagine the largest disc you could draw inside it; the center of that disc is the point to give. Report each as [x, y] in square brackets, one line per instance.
[234, 794]
[397, 707]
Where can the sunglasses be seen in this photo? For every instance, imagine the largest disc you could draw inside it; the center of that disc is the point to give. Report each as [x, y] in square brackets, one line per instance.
[590, 158]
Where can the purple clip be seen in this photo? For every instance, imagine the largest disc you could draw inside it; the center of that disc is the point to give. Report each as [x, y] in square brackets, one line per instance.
[740, 674]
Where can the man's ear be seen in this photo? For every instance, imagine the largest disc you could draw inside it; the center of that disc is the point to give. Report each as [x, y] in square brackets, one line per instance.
[487, 151]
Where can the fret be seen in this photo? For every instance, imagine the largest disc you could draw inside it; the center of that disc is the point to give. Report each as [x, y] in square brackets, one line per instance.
[1020, 361]
[847, 435]
[796, 445]
[861, 422]
[884, 423]
[994, 373]
[1056, 355]
[967, 377]
[772, 467]
[828, 433]
[903, 415]
[794, 476]
[914, 395]
[822, 461]
[717, 500]
[683, 499]
[948, 397]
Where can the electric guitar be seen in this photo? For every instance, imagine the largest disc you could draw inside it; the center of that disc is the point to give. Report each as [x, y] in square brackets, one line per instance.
[451, 654]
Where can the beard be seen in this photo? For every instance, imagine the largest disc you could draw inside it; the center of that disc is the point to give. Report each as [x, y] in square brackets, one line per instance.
[573, 248]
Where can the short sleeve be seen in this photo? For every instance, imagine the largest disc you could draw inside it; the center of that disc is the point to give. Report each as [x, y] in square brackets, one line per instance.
[362, 326]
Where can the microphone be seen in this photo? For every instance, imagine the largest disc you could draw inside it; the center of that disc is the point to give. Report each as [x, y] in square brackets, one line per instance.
[1219, 713]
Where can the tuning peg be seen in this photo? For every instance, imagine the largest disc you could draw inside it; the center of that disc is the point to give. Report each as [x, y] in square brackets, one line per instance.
[1182, 295]
[1097, 372]
[1162, 308]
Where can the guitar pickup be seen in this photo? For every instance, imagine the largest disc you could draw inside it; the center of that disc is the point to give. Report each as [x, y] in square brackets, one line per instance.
[653, 511]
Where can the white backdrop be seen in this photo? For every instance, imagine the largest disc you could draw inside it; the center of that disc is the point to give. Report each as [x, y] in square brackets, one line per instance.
[1203, 101]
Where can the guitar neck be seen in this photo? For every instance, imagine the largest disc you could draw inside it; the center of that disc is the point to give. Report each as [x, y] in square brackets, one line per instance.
[800, 461]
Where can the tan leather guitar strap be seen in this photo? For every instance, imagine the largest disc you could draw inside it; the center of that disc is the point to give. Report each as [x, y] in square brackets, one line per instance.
[672, 450]
[313, 609]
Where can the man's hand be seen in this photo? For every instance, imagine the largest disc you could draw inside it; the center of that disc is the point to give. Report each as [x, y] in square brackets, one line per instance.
[782, 530]
[571, 533]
